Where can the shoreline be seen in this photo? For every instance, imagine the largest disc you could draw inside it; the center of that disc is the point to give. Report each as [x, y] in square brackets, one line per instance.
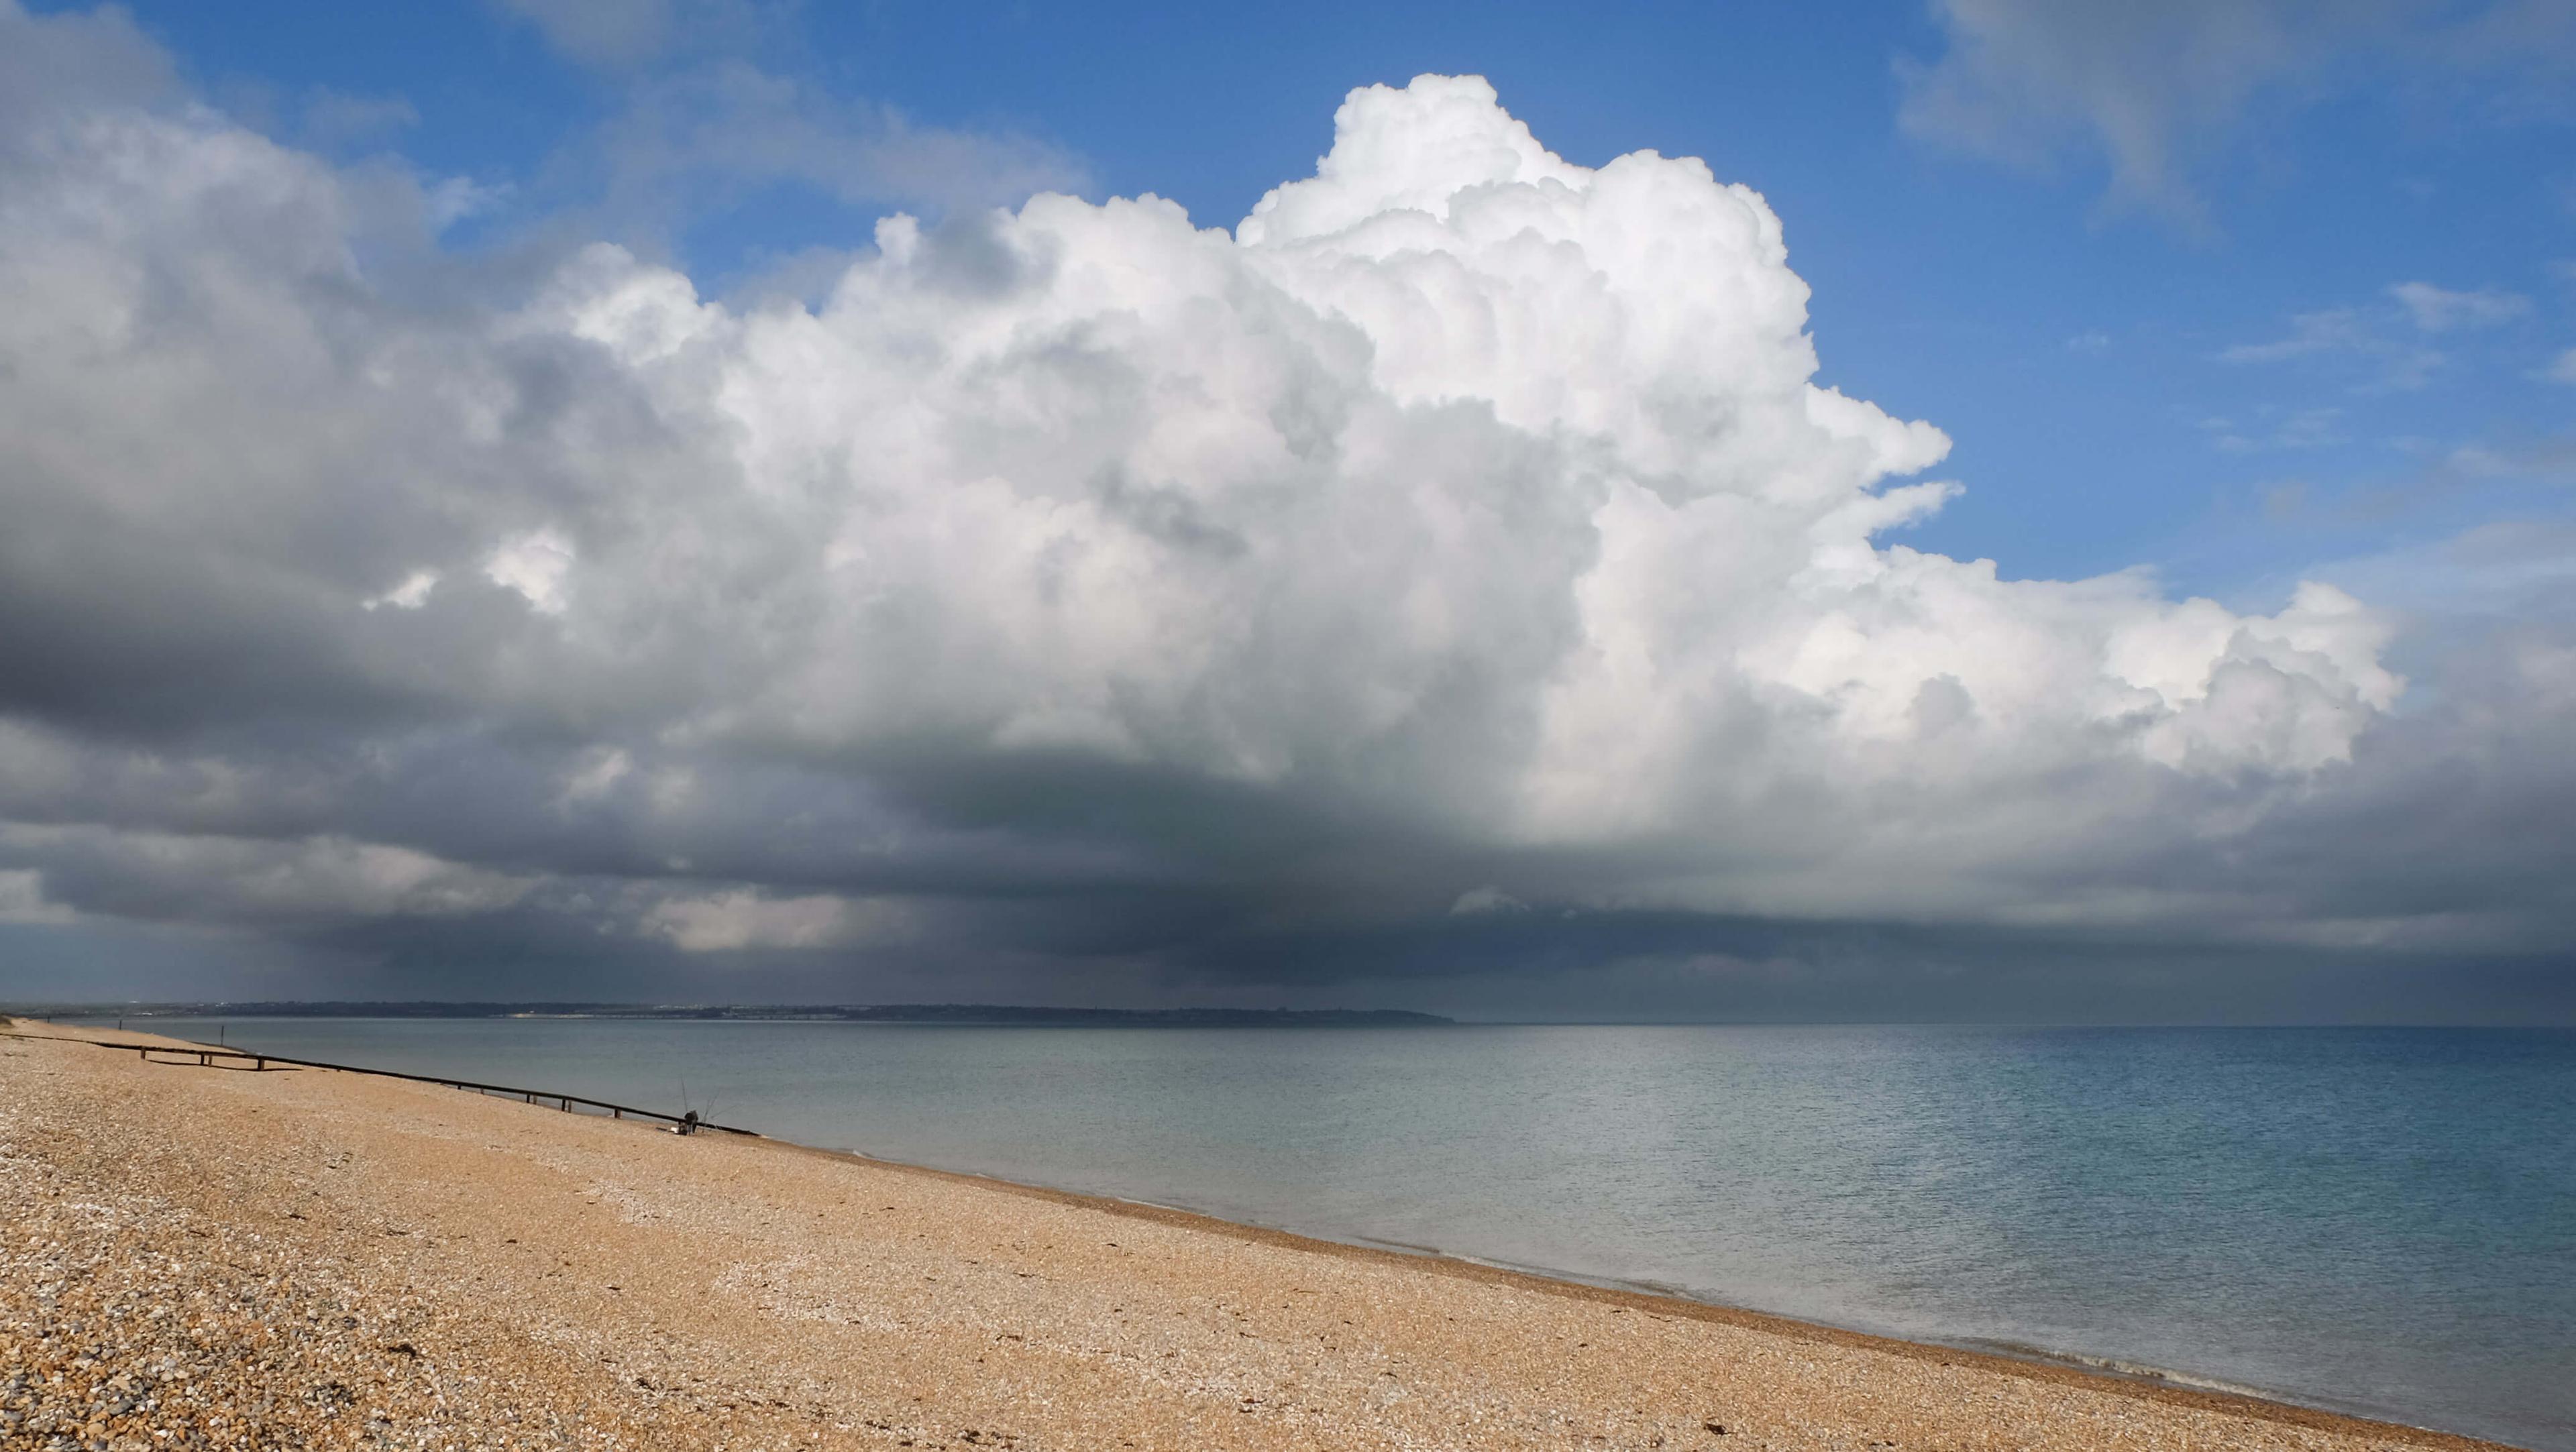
[2072, 1368]
[1874, 1367]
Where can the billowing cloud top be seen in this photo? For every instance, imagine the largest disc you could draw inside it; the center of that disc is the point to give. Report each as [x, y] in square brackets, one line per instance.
[1463, 527]
[1455, 453]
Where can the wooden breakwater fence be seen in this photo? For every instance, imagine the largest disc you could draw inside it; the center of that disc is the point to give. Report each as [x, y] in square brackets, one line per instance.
[206, 1054]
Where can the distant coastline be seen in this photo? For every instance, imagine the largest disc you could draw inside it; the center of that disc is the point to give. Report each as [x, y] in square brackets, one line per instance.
[930, 1013]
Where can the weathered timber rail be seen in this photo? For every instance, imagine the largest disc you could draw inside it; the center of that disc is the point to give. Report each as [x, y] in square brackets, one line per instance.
[206, 1054]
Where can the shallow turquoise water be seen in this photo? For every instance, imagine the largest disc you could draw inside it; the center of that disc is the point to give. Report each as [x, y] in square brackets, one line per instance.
[2376, 1220]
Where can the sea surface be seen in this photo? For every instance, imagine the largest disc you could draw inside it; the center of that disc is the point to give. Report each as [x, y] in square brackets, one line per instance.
[2380, 1221]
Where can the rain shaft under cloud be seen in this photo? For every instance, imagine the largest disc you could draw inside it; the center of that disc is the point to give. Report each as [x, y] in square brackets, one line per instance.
[1074, 592]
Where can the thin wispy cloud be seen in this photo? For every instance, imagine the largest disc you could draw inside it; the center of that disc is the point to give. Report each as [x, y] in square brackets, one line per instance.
[337, 120]
[2352, 336]
[617, 34]
[2444, 310]
[2155, 91]
[716, 107]
[695, 141]
[2304, 428]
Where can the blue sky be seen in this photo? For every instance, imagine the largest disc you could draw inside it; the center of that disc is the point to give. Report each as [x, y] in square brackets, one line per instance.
[485, 510]
[2076, 347]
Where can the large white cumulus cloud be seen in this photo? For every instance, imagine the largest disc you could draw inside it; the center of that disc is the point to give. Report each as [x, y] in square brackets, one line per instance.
[1464, 521]
[1507, 467]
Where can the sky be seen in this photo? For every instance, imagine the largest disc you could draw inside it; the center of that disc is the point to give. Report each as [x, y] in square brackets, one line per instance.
[1969, 510]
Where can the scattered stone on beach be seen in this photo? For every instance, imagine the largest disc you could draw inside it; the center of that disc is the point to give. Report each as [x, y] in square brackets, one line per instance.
[208, 1258]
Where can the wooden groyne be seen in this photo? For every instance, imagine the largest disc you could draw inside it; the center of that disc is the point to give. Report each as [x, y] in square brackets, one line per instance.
[206, 1056]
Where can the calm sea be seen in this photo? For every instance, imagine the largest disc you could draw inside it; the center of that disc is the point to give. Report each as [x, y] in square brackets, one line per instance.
[2382, 1221]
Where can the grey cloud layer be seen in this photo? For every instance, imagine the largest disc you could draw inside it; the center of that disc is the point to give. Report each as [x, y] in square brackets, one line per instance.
[1455, 551]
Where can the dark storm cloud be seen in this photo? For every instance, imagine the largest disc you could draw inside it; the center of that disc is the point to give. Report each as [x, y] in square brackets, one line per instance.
[1448, 589]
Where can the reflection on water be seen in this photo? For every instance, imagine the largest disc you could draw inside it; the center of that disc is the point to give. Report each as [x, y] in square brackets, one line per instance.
[2381, 1220]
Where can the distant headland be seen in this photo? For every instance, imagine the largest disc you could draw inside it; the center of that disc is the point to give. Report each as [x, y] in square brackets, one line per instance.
[936, 1013]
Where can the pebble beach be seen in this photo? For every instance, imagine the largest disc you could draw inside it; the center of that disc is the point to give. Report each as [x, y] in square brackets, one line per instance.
[211, 1257]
